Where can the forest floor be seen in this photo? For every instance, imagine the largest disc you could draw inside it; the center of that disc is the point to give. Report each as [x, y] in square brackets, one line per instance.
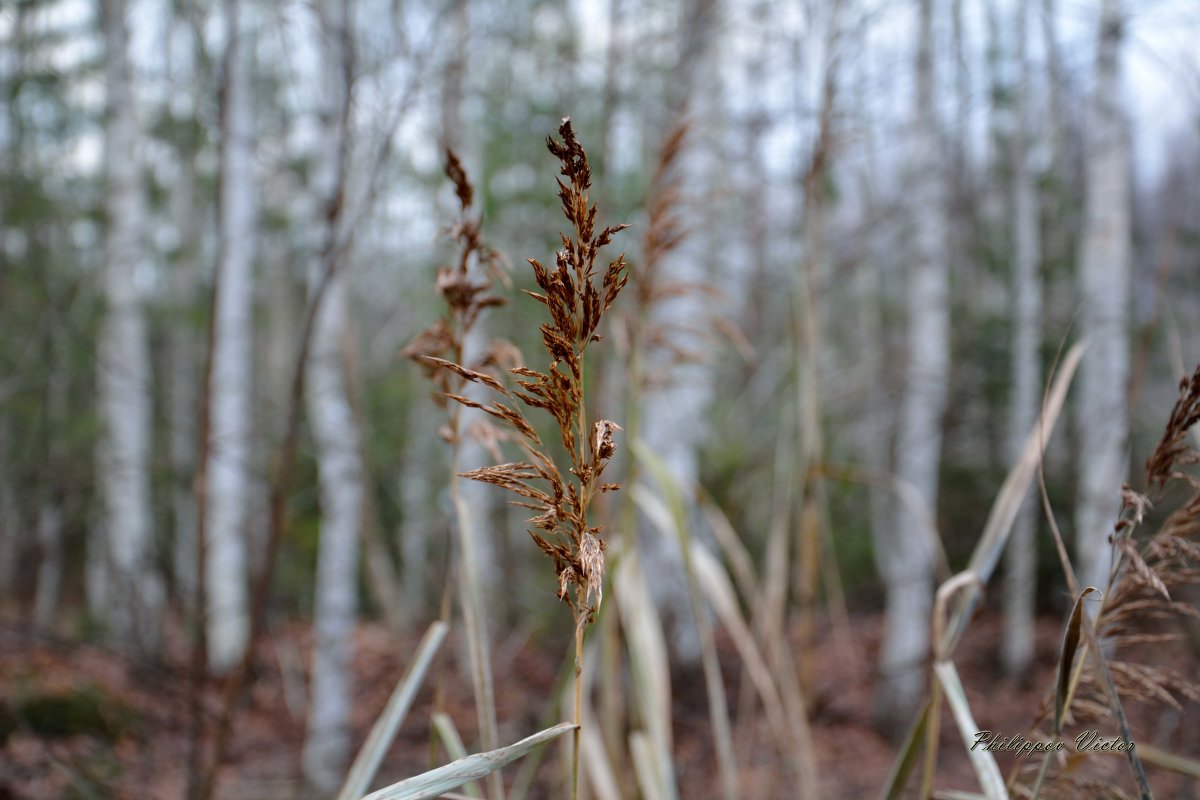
[79, 721]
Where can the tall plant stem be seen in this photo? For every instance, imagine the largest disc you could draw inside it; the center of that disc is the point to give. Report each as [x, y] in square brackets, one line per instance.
[473, 611]
[580, 621]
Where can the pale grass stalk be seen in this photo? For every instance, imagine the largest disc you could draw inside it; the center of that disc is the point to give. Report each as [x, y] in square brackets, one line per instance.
[477, 644]
[649, 665]
[672, 522]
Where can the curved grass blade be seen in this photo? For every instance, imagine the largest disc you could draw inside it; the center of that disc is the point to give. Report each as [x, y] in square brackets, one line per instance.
[1135, 763]
[648, 662]
[1012, 492]
[438, 781]
[984, 763]
[893, 788]
[1066, 659]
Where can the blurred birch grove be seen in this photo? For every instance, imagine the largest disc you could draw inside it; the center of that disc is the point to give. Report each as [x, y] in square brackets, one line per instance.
[863, 234]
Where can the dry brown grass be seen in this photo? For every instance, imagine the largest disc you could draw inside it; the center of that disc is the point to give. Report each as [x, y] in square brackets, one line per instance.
[1140, 611]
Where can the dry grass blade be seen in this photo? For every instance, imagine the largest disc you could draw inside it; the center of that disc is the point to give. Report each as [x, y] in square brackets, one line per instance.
[1118, 710]
[945, 592]
[1161, 758]
[1012, 493]
[741, 565]
[1065, 679]
[649, 665]
[438, 781]
[673, 524]
[984, 763]
[1071, 638]
[370, 755]
[787, 719]
[908, 754]
[647, 767]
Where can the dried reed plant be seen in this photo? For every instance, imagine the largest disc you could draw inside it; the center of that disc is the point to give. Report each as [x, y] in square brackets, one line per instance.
[576, 293]
[1138, 609]
[467, 289]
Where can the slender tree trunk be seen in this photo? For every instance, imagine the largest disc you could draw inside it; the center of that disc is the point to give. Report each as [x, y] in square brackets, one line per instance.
[1021, 557]
[182, 389]
[134, 612]
[1104, 268]
[335, 433]
[10, 519]
[50, 511]
[672, 416]
[909, 575]
[228, 451]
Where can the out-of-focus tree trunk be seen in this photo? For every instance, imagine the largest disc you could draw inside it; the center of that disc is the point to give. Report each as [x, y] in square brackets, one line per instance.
[335, 431]
[415, 532]
[134, 612]
[182, 385]
[183, 348]
[672, 416]
[10, 519]
[1021, 557]
[1104, 268]
[909, 573]
[231, 383]
[50, 510]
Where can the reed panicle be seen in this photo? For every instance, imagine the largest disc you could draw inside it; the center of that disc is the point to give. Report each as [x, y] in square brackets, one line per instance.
[576, 292]
[1139, 606]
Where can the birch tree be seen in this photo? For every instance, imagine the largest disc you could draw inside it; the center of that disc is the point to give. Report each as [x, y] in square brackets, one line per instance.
[1021, 556]
[231, 382]
[125, 560]
[1104, 267]
[335, 432]
[909, 564]
[672, 415]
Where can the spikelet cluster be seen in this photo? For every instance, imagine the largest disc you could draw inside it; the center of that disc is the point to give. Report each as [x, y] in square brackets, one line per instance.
[576, 291]
[468, 288]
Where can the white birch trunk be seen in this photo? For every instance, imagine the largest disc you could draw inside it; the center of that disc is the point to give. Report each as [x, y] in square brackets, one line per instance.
[124, 367]
[1020, 592]
[228, 451]
[672, 421]
[184, 341]
[335, 436]
[1104, 278]
[909, 574]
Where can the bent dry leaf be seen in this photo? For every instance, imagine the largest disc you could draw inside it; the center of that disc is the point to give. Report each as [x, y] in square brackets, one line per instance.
[438, 781]
[1012, 493]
